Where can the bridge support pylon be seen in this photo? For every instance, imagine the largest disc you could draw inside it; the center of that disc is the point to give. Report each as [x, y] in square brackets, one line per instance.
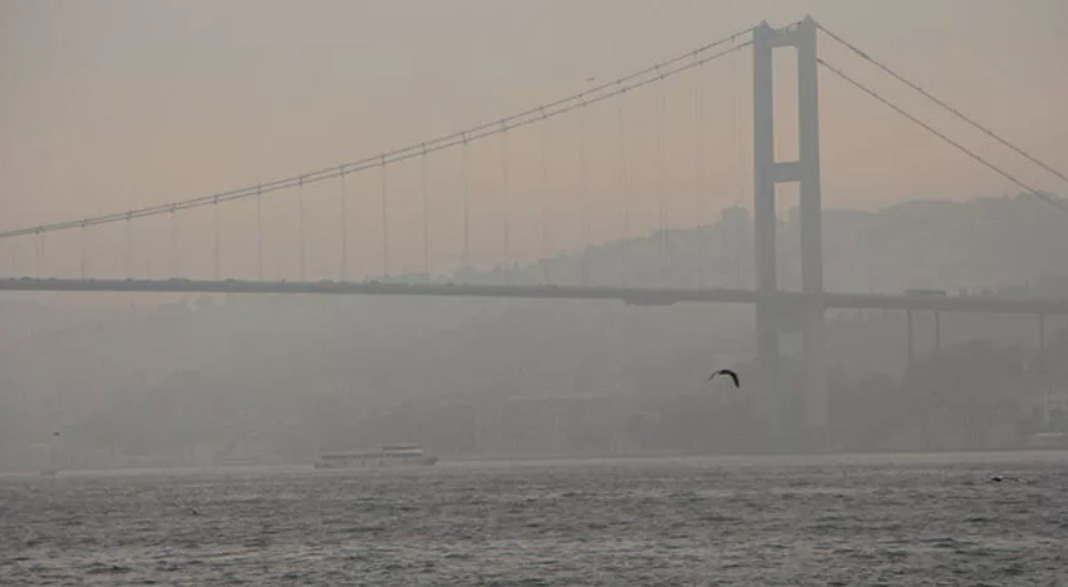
[781, 398]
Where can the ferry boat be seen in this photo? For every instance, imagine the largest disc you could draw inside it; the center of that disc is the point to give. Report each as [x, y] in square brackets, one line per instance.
[391, 455]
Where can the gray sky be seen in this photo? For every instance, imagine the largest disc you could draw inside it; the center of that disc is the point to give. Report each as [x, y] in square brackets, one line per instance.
[112, 104]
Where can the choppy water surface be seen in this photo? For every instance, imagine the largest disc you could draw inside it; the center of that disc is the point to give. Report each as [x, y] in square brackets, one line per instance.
[864, 520]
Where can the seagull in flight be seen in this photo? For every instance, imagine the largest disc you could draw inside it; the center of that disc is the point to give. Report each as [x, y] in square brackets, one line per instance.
[729, 373]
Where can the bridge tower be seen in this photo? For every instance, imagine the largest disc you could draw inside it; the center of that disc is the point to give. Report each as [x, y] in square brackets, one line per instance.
[779, 397]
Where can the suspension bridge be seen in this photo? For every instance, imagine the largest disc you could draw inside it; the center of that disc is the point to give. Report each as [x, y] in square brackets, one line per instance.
[481, 212]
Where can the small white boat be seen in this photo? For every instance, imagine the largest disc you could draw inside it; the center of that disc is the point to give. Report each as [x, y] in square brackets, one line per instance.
[392, 455]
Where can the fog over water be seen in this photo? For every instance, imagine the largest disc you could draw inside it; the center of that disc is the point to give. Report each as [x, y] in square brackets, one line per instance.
[185, 437]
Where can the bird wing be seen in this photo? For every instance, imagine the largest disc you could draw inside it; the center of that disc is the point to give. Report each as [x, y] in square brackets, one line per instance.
[732, 374]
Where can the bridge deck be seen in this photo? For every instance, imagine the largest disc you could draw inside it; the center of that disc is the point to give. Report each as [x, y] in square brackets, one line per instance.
[630, 295]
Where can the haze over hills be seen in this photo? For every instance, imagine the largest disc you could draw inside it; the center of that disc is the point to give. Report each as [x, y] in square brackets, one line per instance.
[274, 379]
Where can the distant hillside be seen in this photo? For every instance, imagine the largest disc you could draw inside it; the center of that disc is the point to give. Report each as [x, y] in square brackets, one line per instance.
[308, 365]
[984, 243]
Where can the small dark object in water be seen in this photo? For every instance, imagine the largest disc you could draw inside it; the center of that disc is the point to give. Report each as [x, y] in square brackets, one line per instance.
[728, 372]
[1000, 478]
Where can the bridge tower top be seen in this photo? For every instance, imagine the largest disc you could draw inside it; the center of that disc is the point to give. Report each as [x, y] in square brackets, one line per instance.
[805, 170]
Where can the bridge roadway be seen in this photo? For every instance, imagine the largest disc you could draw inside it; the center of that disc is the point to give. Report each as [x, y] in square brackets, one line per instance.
[629, 295]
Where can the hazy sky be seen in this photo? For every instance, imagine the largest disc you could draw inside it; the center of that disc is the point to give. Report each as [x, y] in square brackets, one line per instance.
[112, 104]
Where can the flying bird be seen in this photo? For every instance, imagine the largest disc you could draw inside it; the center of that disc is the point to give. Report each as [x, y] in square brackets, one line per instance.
[729, 373]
